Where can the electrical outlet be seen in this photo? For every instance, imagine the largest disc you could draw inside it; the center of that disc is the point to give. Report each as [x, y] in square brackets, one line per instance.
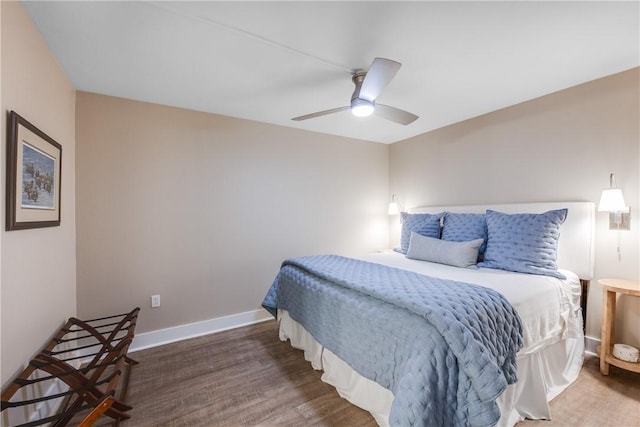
[155, 301]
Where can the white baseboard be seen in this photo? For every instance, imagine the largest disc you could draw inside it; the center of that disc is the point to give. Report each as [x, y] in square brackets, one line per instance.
[590, 344]
[191, 330]
[141, 341]
[47, 407]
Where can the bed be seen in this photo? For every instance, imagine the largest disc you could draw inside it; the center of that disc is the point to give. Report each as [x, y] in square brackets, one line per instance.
[451, 342]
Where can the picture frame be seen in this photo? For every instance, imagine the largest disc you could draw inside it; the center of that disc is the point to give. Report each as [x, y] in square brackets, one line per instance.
[34, 172]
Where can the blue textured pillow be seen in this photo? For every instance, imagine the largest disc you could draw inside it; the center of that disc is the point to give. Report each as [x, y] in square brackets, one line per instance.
[462, 227]
[424, 224]
[525, 243]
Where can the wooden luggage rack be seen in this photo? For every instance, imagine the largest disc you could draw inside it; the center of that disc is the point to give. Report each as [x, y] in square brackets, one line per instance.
[90, 358]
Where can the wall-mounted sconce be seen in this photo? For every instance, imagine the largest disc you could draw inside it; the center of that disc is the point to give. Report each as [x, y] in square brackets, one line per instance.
[612, 201]
[394, 206]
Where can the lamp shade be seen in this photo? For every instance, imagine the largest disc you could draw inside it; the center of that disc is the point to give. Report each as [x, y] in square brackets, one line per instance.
[612, 200]
[393, 209]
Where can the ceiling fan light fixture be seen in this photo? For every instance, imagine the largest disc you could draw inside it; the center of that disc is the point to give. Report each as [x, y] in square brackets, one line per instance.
[362, 107]
[368, 86]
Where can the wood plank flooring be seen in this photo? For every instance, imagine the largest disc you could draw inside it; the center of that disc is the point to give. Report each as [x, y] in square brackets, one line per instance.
[248, 377]
[241, 377]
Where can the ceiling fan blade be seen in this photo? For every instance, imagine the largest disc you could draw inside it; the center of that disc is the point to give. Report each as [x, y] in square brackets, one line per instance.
[321, 113]
[378, 77]
[395, 114]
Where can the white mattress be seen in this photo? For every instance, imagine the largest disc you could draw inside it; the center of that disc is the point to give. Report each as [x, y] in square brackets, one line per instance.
[549, 361]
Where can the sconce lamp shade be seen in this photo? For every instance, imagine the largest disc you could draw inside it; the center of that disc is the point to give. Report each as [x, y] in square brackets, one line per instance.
[393, 209]
[393, 206]
[612, 200]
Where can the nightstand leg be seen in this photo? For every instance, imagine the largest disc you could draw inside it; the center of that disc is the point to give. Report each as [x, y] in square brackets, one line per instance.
[608, 330]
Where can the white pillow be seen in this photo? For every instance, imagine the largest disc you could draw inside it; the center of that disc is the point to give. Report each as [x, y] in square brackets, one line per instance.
[458, 254]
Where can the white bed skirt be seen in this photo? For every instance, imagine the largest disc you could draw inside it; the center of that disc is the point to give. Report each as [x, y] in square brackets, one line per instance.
[542, 375]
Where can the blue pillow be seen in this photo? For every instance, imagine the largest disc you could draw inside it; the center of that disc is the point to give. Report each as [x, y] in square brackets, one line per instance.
[424, 224]
[524, 243]
[463, 227]
[457, 254]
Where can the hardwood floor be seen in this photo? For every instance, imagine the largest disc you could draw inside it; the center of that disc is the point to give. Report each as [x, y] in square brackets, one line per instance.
[241, 377]
[596, 400]
[248, 377]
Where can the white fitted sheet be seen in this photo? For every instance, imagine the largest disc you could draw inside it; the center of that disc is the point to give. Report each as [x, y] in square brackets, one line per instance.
[549, 361]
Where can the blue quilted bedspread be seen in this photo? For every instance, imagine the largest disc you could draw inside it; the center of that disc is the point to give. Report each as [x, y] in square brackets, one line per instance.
[445, 349]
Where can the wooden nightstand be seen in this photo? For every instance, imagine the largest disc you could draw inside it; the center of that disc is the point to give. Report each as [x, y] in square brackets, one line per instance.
[611, 287]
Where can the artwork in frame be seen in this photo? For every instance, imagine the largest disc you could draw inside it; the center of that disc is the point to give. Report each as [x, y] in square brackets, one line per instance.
[33, 176]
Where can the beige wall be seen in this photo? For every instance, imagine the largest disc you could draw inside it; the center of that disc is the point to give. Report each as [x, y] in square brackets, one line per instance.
[38, 267]
[202, 209]
[559, 147]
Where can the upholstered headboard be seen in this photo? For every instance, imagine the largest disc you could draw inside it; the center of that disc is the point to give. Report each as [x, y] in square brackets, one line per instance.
[575, 246]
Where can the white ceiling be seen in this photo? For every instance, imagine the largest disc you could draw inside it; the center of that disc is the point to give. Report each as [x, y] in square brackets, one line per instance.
[271, 61]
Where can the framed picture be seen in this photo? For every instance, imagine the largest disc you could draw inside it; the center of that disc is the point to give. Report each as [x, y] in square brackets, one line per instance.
[33, 176]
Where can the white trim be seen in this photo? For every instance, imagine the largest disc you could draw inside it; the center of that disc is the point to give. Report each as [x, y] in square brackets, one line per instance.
[49, 407]
[591, 344]
[45, 408]
[191, 330]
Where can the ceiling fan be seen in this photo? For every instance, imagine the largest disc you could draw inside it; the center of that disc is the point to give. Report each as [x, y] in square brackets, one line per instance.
[369, 84]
